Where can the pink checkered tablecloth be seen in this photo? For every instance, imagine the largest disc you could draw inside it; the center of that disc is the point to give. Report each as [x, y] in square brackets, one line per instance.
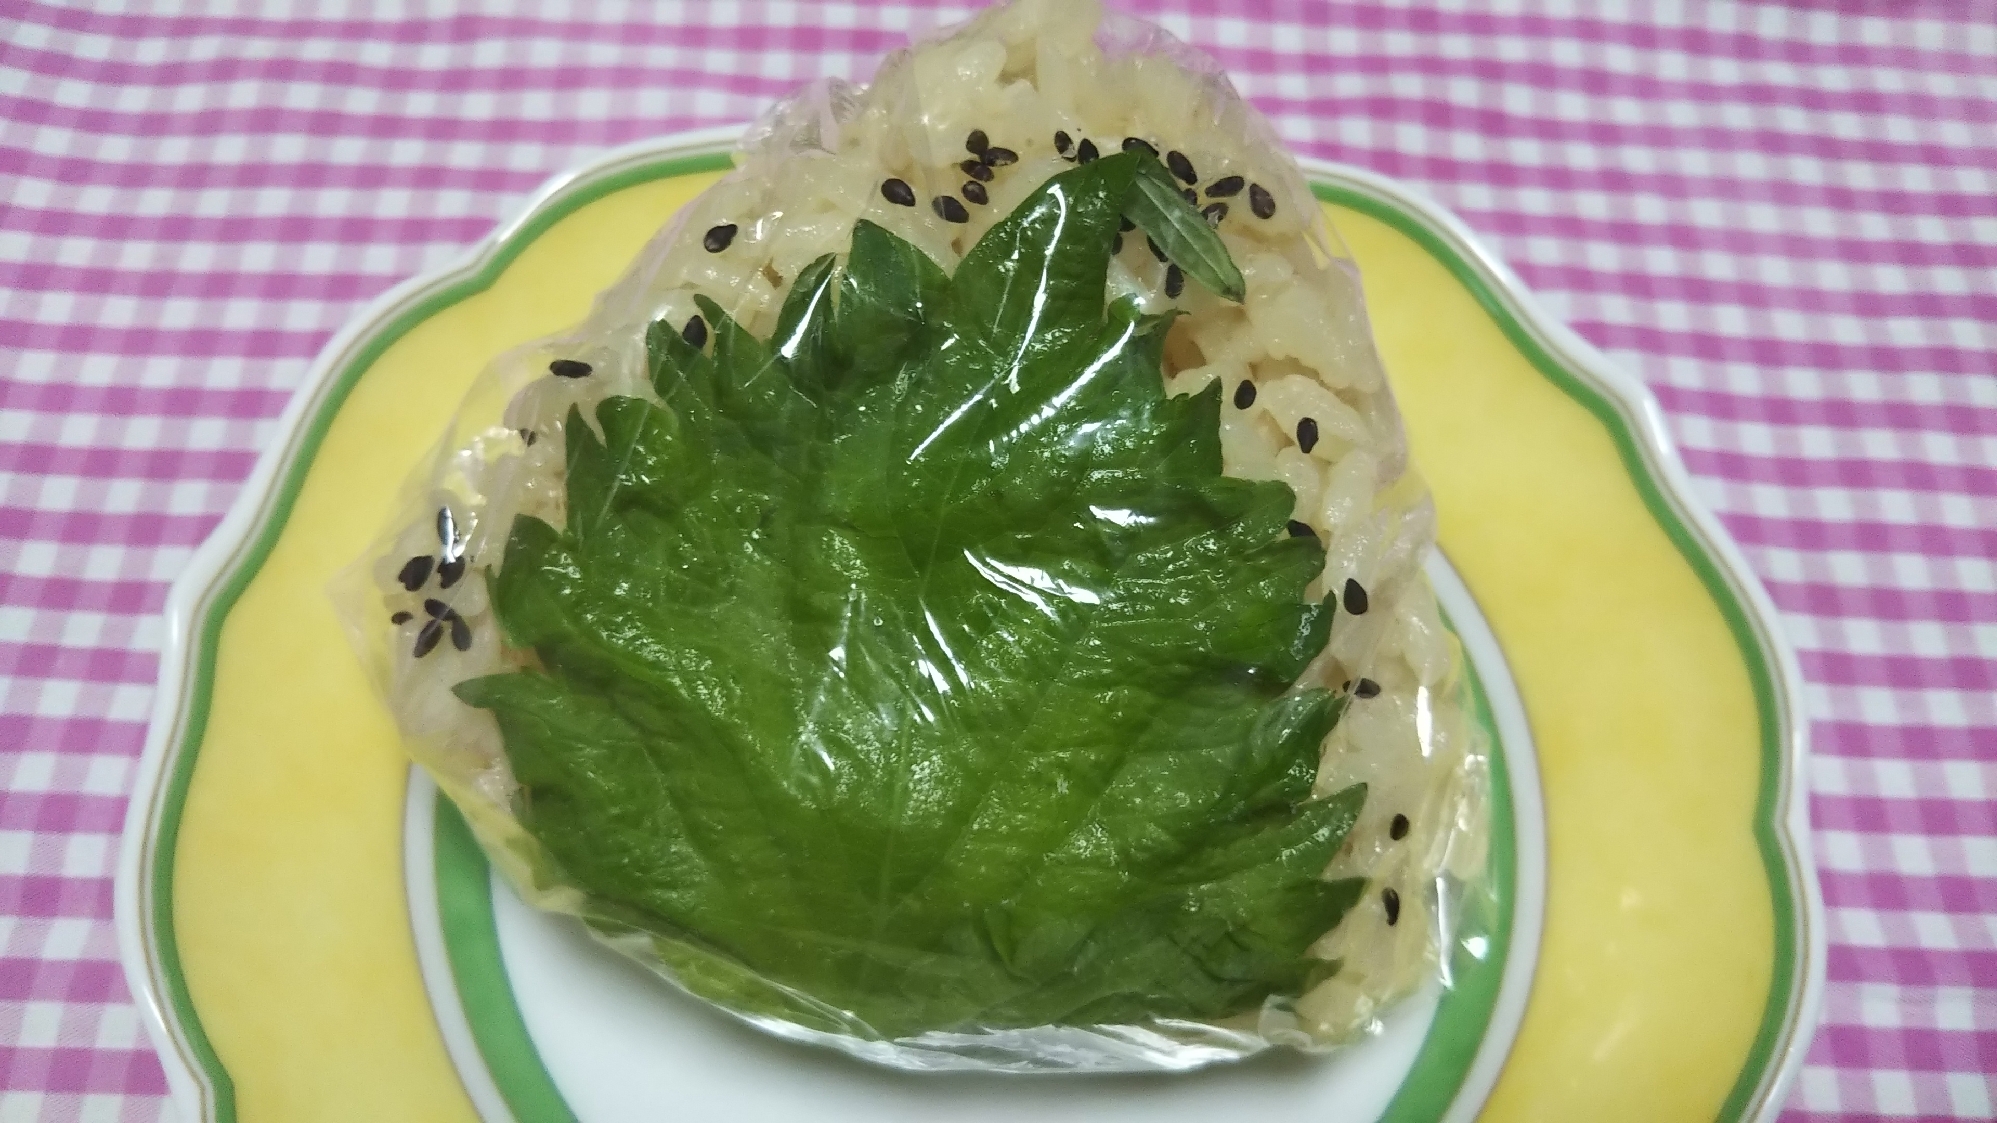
[1783, 217]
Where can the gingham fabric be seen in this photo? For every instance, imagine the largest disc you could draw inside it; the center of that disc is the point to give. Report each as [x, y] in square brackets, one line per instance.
[1784, 219]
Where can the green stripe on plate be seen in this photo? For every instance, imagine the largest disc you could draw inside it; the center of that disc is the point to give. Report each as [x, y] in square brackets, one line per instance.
[1464, 1015]
[471, 940]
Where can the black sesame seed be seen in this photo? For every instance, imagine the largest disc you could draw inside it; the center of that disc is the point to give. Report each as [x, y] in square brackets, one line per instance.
[1191, 197]
[437, 609]
[1392, 901]
[717, 237]
[1398, 829]
[450, 573]
[401, 618]
[949, 209]
[569, 368]
[528, 437]
[427, 637]
[1175, 281]
[1116, 247]
[1155, 251]
[976, 169]
[1244, 394]
[1225, 187]
[1307, 433]
[415, 571]
[461, 633]
[977, 142]
[1260, 201]
[1347, 686]
[1214, 213]
[1139, 144]
[1355, 597]
[695, 333]
[1181, 167]
[975, 192]
[898, 192]
[1301, 530]
[1063, 142]
[1000, 157]
[1087, 152]
[1367, 688]
[1124, 224]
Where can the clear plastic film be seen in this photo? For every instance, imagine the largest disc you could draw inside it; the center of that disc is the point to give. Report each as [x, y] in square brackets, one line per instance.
[958, 598]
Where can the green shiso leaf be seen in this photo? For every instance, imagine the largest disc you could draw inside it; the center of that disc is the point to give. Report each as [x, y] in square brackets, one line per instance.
[918, 669]
[1182, 232]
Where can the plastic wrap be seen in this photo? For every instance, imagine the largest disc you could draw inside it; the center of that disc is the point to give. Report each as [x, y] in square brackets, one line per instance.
[958, 598]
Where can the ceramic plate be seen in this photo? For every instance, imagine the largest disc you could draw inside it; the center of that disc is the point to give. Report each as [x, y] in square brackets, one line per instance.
[313, 936]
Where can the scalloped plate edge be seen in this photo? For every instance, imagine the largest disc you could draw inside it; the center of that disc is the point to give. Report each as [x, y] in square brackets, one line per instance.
[146, 946]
